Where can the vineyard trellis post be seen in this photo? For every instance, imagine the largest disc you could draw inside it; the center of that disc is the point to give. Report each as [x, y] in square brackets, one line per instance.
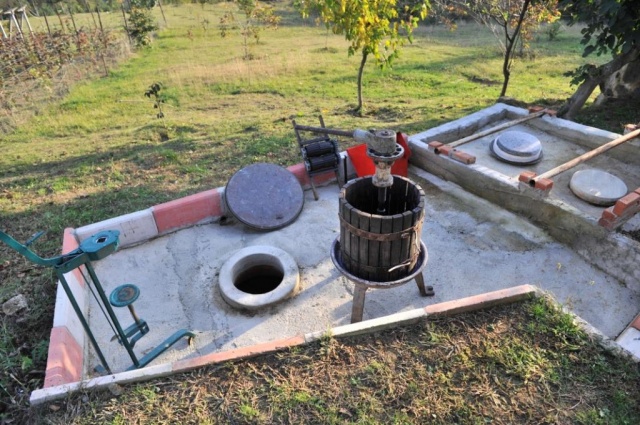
[59, 19]
[103, 40]
[162, 11]
[126, 25]
[13, 22]
[46, 21]
[23, 17]
[4, 33]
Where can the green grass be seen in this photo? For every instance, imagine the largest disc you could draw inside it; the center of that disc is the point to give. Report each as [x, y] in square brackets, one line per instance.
[99, 151]
[476, 368]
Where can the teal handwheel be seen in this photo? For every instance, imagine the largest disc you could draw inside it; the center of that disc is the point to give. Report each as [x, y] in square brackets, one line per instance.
[124, 295]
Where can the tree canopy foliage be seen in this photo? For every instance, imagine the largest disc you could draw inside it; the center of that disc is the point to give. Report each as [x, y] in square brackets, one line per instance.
[611, 27]
[373, 27]
[513, 22]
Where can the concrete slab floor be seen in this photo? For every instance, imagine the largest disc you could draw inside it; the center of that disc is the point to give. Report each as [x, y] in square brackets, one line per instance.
[474, 247]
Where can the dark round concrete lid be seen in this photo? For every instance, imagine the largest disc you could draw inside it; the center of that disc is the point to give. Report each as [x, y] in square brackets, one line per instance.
[517, 147]
[264, 196]
[597, 187]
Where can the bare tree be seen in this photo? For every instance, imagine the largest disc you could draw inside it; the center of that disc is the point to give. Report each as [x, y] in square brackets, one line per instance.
[511, 21]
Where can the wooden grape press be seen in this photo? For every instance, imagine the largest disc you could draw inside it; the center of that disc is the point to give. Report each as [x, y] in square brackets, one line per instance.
[381, 220]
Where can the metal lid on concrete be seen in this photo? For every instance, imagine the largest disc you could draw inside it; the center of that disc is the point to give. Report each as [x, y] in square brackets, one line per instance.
[517, 147]
[264, 196]
[597, 187]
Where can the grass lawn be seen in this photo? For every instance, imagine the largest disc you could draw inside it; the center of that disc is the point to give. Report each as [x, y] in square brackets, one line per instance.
[525, 363]
[99, 151]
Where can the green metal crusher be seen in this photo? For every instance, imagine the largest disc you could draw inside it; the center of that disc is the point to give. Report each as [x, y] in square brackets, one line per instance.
[94, 248]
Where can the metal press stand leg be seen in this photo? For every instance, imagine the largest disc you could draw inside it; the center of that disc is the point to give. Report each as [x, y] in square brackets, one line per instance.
[358, 303]
[313, 188]
[424, 291]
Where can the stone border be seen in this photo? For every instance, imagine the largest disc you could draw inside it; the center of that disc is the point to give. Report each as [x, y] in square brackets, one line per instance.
[449, 308]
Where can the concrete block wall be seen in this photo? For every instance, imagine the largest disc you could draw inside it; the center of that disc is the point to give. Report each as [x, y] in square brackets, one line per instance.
[68, 345]
[572, 227]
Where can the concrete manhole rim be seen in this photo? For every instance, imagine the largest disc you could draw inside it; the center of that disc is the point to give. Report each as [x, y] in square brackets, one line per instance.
[258, 255]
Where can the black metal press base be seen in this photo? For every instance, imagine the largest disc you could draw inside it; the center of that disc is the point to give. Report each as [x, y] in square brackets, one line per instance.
[361, 285]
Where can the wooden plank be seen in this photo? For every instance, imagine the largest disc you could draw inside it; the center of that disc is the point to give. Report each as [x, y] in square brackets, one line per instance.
[363, 254]
[496, 129]
[346, 238]
[374, 246]
[397, 221]
[417, 216]
[405, 244]
[341, 208]
[385, 247]
[584, 157]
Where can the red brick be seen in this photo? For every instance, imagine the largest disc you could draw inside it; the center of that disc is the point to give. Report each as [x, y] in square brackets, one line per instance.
[300, 172]
[324, 177]
[636, 323]
[478, 302]
[536, 108]
[607, 224]
[444, 150]
[543, 184]
[627, 202]
[64, 362]
[238, 353]
[608, 214]
[463, 157]
[637, 190]
[526, 176]
[435, 145]
[69, 241]
[551, 112]
[187, 211]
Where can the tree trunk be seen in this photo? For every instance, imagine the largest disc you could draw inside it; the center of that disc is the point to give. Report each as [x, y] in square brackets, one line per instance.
[506, 65]
[360, 71]
[578, 99]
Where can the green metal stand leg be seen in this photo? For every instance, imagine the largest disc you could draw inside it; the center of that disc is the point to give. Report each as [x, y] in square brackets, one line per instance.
[163, 347]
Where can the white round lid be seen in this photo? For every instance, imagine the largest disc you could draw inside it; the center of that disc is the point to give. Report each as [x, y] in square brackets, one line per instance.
[597, 187]
[517, 147]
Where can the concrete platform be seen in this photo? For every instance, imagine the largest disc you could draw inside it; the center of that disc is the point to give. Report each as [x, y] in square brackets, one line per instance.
[473, 247]
[485, 231]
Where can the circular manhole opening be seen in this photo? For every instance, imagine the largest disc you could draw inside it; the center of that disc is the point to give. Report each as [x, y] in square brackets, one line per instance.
[258, 276]
[259, 279]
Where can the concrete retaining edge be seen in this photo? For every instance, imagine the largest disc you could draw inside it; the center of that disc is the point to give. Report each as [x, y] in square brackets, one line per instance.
[450, 308]
[612, 252]
[68, 345]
